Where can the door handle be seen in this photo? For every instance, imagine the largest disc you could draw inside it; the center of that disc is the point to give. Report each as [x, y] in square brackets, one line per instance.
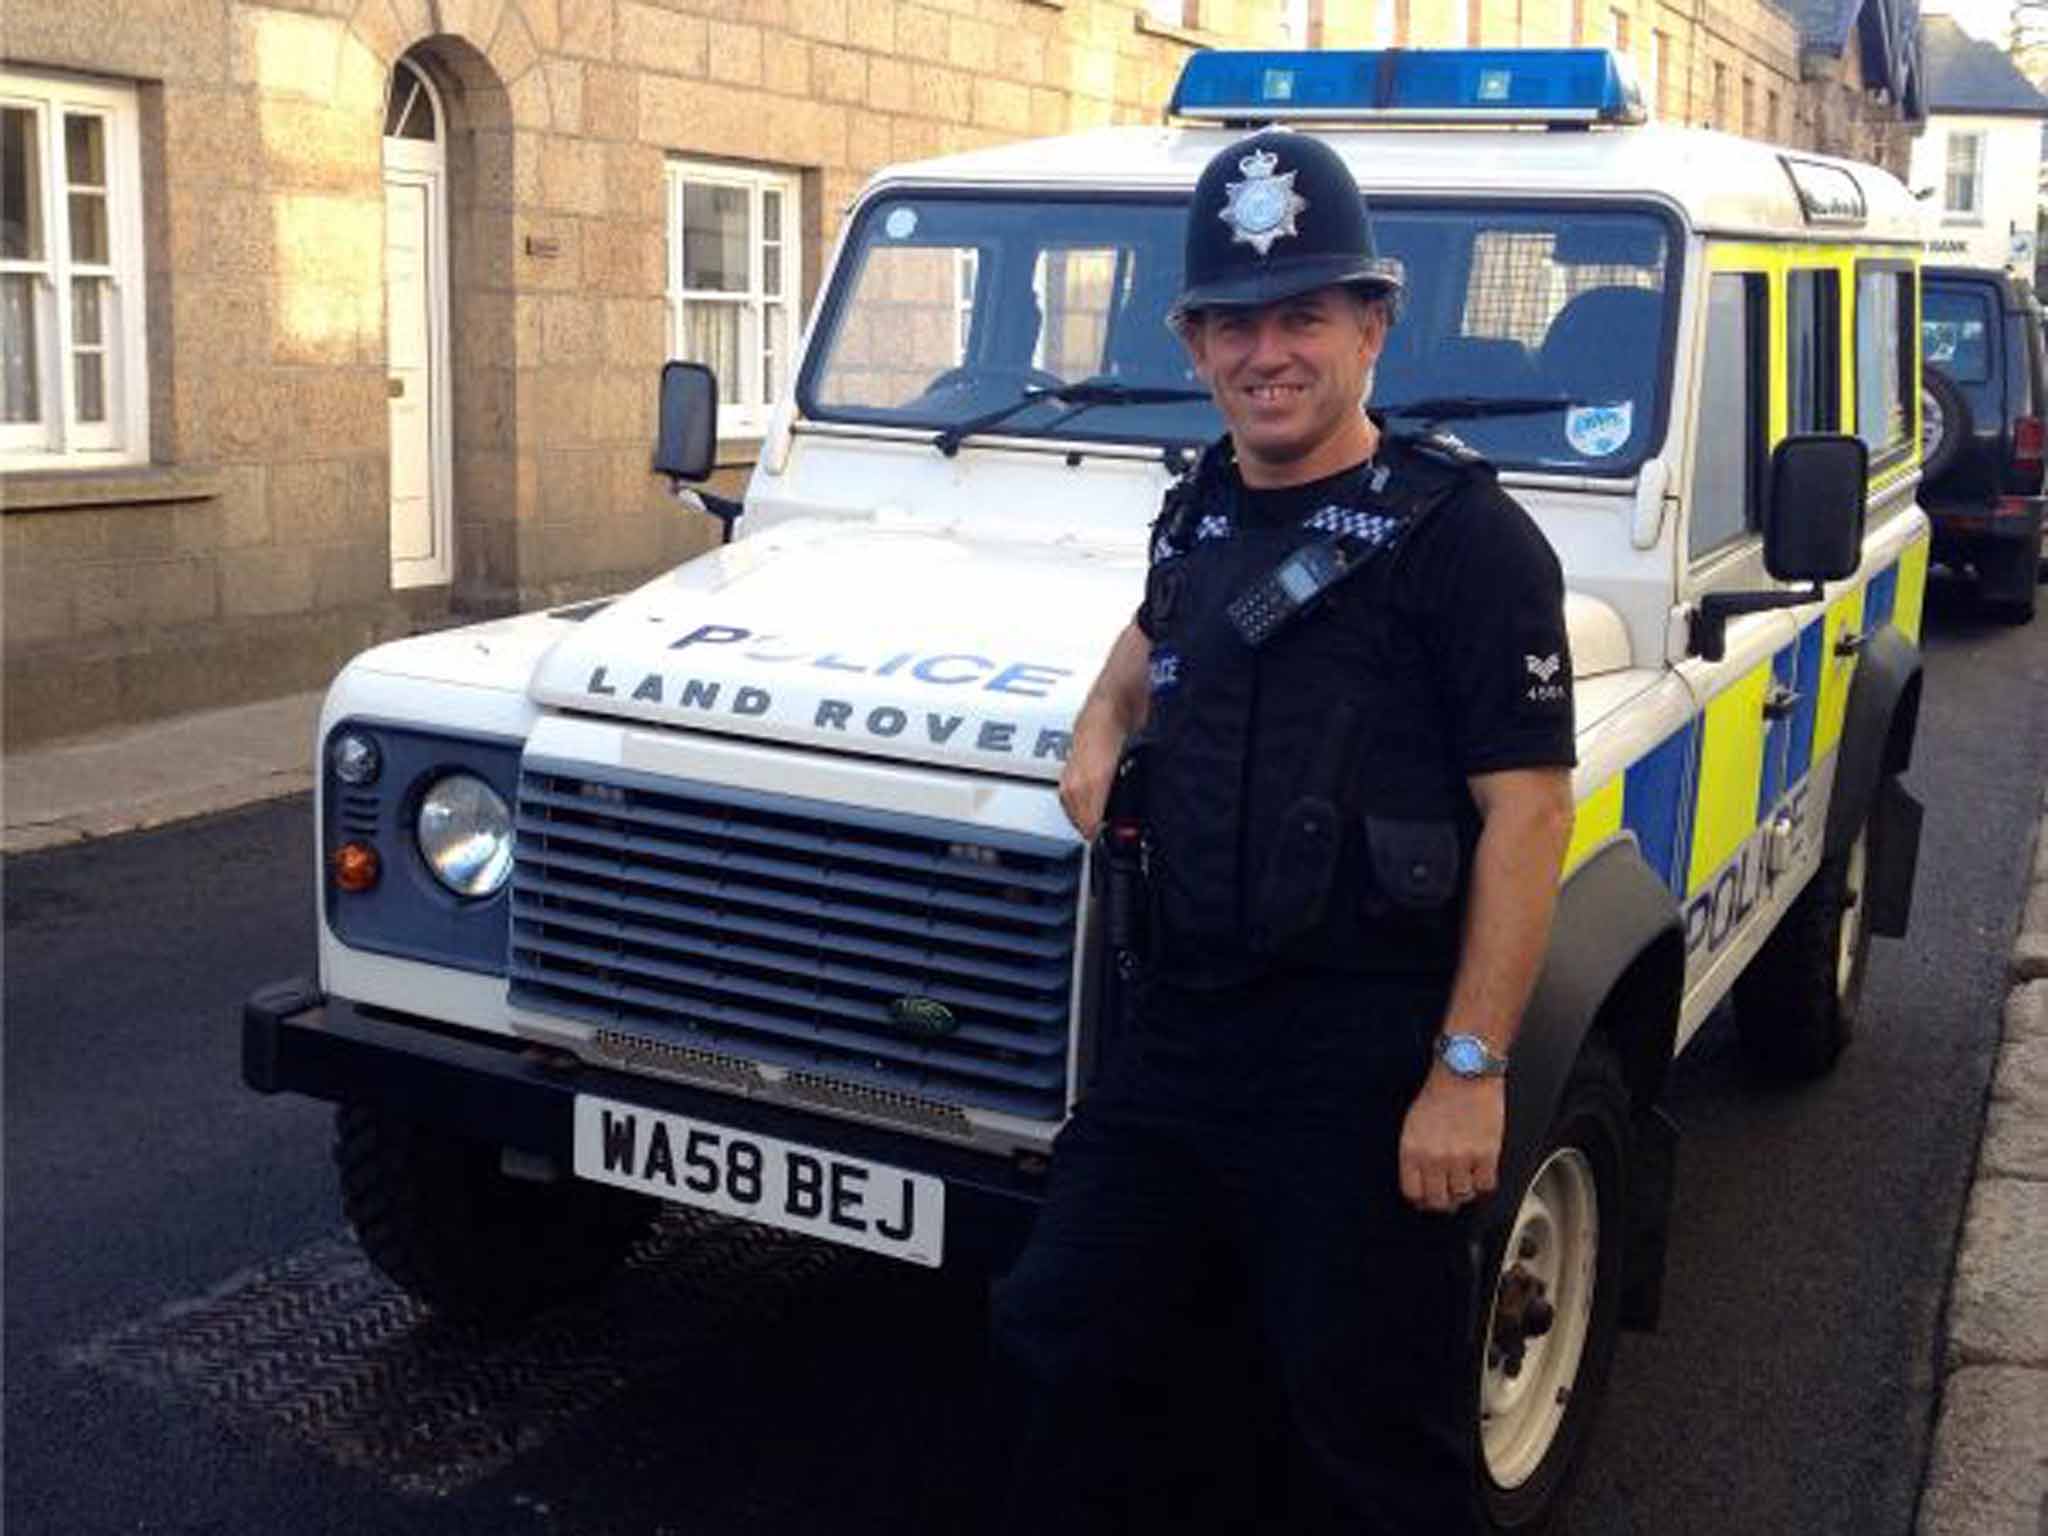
[1849, 643]
[1780, 701]
[394, 387]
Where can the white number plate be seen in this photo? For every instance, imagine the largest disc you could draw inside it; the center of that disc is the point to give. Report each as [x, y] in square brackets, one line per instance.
[885, 1210]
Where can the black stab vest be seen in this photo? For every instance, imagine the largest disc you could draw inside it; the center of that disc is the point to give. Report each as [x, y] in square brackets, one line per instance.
[1304, 807]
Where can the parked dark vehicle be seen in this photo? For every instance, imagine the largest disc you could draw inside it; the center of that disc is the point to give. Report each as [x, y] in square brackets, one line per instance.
[1984, 391]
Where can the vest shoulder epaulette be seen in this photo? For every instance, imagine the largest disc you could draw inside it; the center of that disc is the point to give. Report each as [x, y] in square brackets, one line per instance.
[1180, 509]
[1442, 448]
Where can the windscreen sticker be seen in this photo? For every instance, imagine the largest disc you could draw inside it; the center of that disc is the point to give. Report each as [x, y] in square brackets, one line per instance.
[901, 223]
[1599, 430]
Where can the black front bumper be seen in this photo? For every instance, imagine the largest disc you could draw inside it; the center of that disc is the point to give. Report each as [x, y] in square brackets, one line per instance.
[296, 1040]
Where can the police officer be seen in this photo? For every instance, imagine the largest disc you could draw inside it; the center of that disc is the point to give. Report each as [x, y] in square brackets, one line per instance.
[1350, 687]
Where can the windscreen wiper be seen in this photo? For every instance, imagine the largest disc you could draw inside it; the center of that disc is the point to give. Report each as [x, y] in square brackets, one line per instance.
[1473, 407]
[1084, 393]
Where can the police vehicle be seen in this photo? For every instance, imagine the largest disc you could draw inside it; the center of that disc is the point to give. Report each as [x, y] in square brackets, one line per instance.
[749, 890]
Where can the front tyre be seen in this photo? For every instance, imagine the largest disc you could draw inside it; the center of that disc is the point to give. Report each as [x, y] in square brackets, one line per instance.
[436, 1215]
[1553, 1320]
[1796, 1004]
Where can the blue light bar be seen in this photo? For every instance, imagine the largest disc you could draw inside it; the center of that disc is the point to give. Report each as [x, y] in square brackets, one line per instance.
[1425, 85]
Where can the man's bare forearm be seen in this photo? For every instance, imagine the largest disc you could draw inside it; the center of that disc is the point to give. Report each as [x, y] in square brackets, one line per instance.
[1513, 898]
[1120, 700]
[1116, 706]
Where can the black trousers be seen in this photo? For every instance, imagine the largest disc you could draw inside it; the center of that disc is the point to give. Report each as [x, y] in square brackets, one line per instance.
[1254, 1132]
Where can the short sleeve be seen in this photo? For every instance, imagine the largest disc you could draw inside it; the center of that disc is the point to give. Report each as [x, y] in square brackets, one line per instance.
[1496, 624]
[1158, 549]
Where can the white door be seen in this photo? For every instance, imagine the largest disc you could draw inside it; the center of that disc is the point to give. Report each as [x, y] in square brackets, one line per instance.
[416, 331]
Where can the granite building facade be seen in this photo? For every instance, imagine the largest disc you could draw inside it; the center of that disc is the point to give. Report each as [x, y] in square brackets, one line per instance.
[326, 320]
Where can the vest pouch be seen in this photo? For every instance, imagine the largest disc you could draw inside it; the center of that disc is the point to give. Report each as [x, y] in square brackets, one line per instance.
[1301, 866]
[1414, 863]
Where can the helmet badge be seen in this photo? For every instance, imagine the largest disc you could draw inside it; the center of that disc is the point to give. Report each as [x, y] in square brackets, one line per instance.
[1261, 208]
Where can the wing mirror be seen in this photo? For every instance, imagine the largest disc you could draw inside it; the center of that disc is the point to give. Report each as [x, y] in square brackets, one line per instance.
[686, 438]
[1813, 515]
[1813, 531]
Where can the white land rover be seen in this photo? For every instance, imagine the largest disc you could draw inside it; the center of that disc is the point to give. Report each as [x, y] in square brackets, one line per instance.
[749, 890]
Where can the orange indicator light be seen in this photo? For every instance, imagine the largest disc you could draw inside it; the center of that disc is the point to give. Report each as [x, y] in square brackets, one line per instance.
[355, 866]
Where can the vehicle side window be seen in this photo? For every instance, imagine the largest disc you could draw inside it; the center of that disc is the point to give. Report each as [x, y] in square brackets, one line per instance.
[1886, 386]
[1955, 333]
[1731, 418]
[1813, 328]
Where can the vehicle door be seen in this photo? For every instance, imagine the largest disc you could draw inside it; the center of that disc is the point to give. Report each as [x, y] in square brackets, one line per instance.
[1961, 331]
[1849, 332]
[1745, 699]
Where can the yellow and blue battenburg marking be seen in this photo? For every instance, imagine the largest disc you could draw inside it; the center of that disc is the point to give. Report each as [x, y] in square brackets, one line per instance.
[1696, 797]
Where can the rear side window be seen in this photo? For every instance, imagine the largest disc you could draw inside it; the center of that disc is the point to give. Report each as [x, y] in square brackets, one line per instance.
[1955, 333]
[1731, 424]
[1886, 391]
[1813, 351]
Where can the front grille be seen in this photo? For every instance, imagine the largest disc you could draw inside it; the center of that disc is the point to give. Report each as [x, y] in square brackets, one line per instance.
[781, 930]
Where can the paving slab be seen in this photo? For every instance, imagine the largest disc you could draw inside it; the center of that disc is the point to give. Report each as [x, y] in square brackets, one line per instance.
[1990, 1462]
[2015, 1145]
[2030, 957]
[2026, 1012]
[1998, 1309]
[145, 776]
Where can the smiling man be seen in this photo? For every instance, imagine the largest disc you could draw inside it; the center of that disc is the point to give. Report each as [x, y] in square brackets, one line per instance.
[1343, 686]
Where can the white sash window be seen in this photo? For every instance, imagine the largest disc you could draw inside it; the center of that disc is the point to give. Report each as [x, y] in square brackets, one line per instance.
[734, 283]
[74, 388]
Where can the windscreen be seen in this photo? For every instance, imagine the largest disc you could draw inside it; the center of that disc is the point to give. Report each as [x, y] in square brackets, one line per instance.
[951, 305]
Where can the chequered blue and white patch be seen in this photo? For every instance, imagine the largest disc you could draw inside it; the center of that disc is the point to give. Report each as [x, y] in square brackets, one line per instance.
[1213, 526]
[1373, 527]
[1163, 549]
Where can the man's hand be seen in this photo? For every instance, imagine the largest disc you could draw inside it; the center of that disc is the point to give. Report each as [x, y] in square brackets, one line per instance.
[1085, 781]
[1450, 1142]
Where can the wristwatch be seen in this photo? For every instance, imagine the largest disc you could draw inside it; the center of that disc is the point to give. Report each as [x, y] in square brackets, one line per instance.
[1470, 1056]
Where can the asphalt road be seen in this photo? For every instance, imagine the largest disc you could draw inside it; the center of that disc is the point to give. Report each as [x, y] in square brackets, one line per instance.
[193, 1345]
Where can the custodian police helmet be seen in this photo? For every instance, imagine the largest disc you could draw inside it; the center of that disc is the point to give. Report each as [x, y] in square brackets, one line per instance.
[1276, 215]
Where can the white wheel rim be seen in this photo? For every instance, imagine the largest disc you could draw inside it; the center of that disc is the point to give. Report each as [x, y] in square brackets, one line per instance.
[1852, 915]
[1931, 422]
[1556, 1241]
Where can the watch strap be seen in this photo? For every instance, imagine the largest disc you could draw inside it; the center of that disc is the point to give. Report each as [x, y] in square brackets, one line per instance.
[1468, 1055]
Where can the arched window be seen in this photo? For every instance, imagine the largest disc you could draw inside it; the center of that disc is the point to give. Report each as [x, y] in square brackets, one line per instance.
[412, 110]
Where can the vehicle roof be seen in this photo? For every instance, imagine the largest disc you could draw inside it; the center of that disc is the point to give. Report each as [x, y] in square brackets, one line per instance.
[1721, 183]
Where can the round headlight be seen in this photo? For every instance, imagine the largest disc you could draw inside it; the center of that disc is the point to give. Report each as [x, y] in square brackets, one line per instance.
[465, 835]
[356, 760]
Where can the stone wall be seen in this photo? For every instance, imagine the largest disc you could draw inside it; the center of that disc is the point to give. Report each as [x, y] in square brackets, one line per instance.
[252, 557]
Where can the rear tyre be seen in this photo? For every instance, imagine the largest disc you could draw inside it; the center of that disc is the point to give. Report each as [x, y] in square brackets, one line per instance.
[1796, 1005]
[436, 1215]
[1542, 1375]
[1944, 422]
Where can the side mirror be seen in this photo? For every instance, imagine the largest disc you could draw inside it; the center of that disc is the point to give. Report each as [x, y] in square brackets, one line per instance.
[686, 441]
[1813, 532]
[1813, 515]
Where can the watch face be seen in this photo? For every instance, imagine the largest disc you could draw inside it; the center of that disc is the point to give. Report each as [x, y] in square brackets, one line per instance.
[1462, 1056]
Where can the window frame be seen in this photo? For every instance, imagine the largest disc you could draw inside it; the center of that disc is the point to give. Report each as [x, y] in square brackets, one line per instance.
[1827, 310]
[1756, 309]
[1907, 301]
[59, 440]
[1951, 212]
[755, 397]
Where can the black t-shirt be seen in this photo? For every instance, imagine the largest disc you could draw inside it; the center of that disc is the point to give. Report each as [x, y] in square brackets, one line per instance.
[1488, 593]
